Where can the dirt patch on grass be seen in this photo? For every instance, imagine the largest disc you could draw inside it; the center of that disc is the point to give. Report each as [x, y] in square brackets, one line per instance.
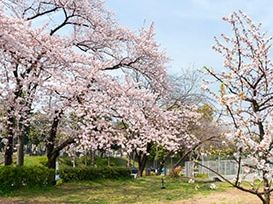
[232, 196]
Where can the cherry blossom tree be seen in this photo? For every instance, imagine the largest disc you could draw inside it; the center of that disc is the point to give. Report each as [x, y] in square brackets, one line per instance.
[207, 131]
[185, 91]
[39, 54]
[246, 93]
[25, 54]
[132, 119]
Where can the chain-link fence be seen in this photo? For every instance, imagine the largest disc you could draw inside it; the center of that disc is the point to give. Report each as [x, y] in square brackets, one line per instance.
[227, 168]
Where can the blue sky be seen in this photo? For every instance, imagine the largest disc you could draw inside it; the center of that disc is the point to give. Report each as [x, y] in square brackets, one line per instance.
[185, 28]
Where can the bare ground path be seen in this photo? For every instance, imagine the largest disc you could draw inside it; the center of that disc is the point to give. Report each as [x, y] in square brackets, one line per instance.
[232, 196]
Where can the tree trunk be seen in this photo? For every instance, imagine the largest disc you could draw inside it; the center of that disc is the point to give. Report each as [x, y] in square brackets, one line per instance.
[10, 132]
[51, 164]
[93, 159]
[51, 140]
[129, 161]
[50, 144]
[51, 161]
[266, 199]
[51, 158]
[23, 131]
[142, 159]
[266, 194]
[52, 149]
[20, 150]
[9, 151]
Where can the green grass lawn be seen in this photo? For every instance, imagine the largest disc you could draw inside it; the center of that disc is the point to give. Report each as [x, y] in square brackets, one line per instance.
[141, 190]
[35, 160]
[29, 160]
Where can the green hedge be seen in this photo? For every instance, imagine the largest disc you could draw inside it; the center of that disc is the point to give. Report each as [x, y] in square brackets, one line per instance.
[92, 173]
[12, 178]
[100, 162]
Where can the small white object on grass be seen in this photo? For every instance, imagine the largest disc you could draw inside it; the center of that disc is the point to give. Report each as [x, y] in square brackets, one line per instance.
[191, 181]
[212, 186]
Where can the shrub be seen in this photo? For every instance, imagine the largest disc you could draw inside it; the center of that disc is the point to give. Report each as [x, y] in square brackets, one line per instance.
[12, 178]
[174, 173]
[99, 162]
[201, 176]
[113, 161]
[92, 173]
[65, 161]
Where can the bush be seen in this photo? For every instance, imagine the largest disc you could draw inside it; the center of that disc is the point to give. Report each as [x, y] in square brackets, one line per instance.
[12, 178]
[201, 176]
[99, 162]
[113, 161]
[92, 173]
[174, 173]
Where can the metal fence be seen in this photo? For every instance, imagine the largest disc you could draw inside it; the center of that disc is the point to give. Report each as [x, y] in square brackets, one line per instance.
[227, 168]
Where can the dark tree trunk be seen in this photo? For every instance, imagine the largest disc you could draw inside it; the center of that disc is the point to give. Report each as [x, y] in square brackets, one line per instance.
[93, 158]
[24, 125]
[142, 160]
[51, 160]
[10, 132]
[266, 196]
[51, 140]
[129, 161]
[11, 121]
[266, 199]
[51, 164]
[9, 151]
[52, 149]
[50, 144]
[20, 150]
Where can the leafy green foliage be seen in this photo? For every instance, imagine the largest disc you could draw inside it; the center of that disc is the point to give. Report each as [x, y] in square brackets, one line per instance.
[99, 162]
[207, 112]
[12, 178]
[157, 153]
[201, 176]
[223, 153]
[92, 173]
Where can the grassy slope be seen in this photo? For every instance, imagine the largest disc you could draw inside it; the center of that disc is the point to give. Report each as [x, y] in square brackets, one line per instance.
[142, 190]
